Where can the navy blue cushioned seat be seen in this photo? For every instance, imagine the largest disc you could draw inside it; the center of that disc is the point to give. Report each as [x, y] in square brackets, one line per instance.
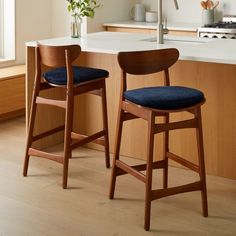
[165, 97]
[81, 74]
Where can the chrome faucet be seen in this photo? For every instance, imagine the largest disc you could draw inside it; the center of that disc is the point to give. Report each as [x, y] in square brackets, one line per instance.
[160, 30]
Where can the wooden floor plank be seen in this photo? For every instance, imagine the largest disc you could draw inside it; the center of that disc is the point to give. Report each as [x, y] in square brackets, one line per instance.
[37, 205]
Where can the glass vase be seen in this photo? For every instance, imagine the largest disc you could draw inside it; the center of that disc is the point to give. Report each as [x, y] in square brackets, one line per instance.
[75, 27]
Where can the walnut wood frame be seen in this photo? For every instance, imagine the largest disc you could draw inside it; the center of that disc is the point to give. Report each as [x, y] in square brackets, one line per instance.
[142, 63]
[58, 56]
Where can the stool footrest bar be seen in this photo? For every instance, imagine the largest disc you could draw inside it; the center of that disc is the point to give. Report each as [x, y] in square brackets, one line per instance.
[156, 165]
[49, 132]
[42, 154]
[83, 139]
[131, 170]
[52, 102]
[182, 161]
[184, 124]
[156, 194]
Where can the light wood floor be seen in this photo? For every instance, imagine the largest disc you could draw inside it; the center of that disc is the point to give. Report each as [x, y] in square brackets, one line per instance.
[37, 205]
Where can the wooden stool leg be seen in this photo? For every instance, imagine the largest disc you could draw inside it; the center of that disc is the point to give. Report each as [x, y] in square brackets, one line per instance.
[116, 153]
[29, 138]
[202, 171]
[150, 143]
[67, 137]
[105, 125]
[31, 125]
[166, 149]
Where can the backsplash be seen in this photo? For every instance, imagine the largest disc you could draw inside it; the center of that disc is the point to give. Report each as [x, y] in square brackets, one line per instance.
[189, 10]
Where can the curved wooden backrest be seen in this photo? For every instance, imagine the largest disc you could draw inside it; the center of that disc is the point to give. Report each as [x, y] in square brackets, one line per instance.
[147, 62]
[55, 56]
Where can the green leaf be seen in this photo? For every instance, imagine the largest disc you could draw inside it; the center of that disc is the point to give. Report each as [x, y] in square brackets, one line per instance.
[80, 8]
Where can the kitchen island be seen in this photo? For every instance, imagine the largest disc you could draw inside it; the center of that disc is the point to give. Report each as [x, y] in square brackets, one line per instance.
[205, 64]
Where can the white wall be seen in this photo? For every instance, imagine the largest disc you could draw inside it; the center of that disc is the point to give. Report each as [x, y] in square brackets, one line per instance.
[40, 19]
[60, 18]
[118, 10]
[112, 10]
[190, 10]
[33, 21]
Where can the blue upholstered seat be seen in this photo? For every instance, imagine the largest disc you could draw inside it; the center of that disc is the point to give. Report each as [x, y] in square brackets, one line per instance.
[81, 74]
[166, 97]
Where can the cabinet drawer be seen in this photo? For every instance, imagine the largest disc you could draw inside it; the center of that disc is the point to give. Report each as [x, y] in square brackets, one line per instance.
[150, 31]
[12, 94]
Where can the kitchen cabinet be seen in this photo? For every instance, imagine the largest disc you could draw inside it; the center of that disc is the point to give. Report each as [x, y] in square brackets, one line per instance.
[179, 29]
[12, 91]
[149, 31]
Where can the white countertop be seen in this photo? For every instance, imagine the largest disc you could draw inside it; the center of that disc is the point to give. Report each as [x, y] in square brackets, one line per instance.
[190, 48]
[182, 26]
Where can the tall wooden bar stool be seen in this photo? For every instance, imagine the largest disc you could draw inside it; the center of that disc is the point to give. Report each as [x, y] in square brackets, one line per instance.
[74, 80]
[148, 103]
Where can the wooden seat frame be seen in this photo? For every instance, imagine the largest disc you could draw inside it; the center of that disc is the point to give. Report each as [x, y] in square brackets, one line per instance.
[63, 56]
[142, 63]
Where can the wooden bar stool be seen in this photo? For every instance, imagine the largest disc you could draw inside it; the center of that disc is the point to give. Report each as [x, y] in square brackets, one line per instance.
[74, 80]
[148, 103]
